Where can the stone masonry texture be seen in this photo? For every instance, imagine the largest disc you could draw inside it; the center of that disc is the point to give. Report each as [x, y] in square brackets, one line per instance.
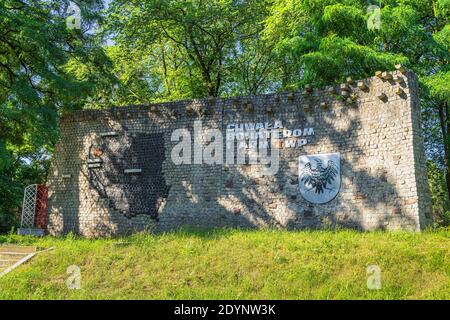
[112, 171]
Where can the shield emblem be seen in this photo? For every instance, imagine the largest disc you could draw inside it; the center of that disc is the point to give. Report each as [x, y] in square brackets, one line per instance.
[319, 177]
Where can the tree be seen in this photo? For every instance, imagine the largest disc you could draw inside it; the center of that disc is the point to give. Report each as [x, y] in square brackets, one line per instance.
[194, 37]
[36, 86]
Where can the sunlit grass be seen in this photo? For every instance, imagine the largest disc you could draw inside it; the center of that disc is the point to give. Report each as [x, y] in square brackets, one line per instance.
[236, 264]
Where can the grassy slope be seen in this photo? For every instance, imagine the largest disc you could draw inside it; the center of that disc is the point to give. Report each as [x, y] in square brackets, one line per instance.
[231, 264]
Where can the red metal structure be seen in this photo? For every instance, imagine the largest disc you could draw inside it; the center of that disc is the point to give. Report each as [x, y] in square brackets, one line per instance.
[40, 215]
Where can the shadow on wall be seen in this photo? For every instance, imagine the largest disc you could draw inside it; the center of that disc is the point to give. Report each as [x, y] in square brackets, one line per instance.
[64, 187]
[369, 197]
[119, 179]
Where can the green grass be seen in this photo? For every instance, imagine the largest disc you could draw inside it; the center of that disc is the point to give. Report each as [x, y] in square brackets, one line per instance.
[233, 264]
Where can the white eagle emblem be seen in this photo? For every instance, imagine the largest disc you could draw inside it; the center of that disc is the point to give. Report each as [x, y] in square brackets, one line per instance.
[319, 177]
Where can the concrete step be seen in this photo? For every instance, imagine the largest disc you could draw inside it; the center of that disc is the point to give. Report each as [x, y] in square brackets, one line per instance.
[18, 249]
[7, 262]
[12, 255]
[31, 232]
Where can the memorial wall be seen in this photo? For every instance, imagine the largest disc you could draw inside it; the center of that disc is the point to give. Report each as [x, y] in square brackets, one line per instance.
[348, 155]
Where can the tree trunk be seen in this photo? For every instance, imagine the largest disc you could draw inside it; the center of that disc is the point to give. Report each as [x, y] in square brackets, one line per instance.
[447, 143]
[166, 79]
[209, 84]
[444, 119]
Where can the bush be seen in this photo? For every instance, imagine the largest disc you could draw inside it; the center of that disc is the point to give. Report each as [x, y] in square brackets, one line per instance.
[439, 194]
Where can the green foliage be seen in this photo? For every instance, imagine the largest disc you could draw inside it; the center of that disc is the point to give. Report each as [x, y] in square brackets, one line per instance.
[344, 44]
[191, 43]
[36, 86]
[337, 58]
[438, 85]
[347, 21]
[441, 203]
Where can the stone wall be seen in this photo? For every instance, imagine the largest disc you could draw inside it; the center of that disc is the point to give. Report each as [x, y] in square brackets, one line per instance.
[112, 171]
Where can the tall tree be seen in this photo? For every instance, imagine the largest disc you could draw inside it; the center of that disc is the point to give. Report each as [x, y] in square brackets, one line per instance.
[200, 35]
[36, 48]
